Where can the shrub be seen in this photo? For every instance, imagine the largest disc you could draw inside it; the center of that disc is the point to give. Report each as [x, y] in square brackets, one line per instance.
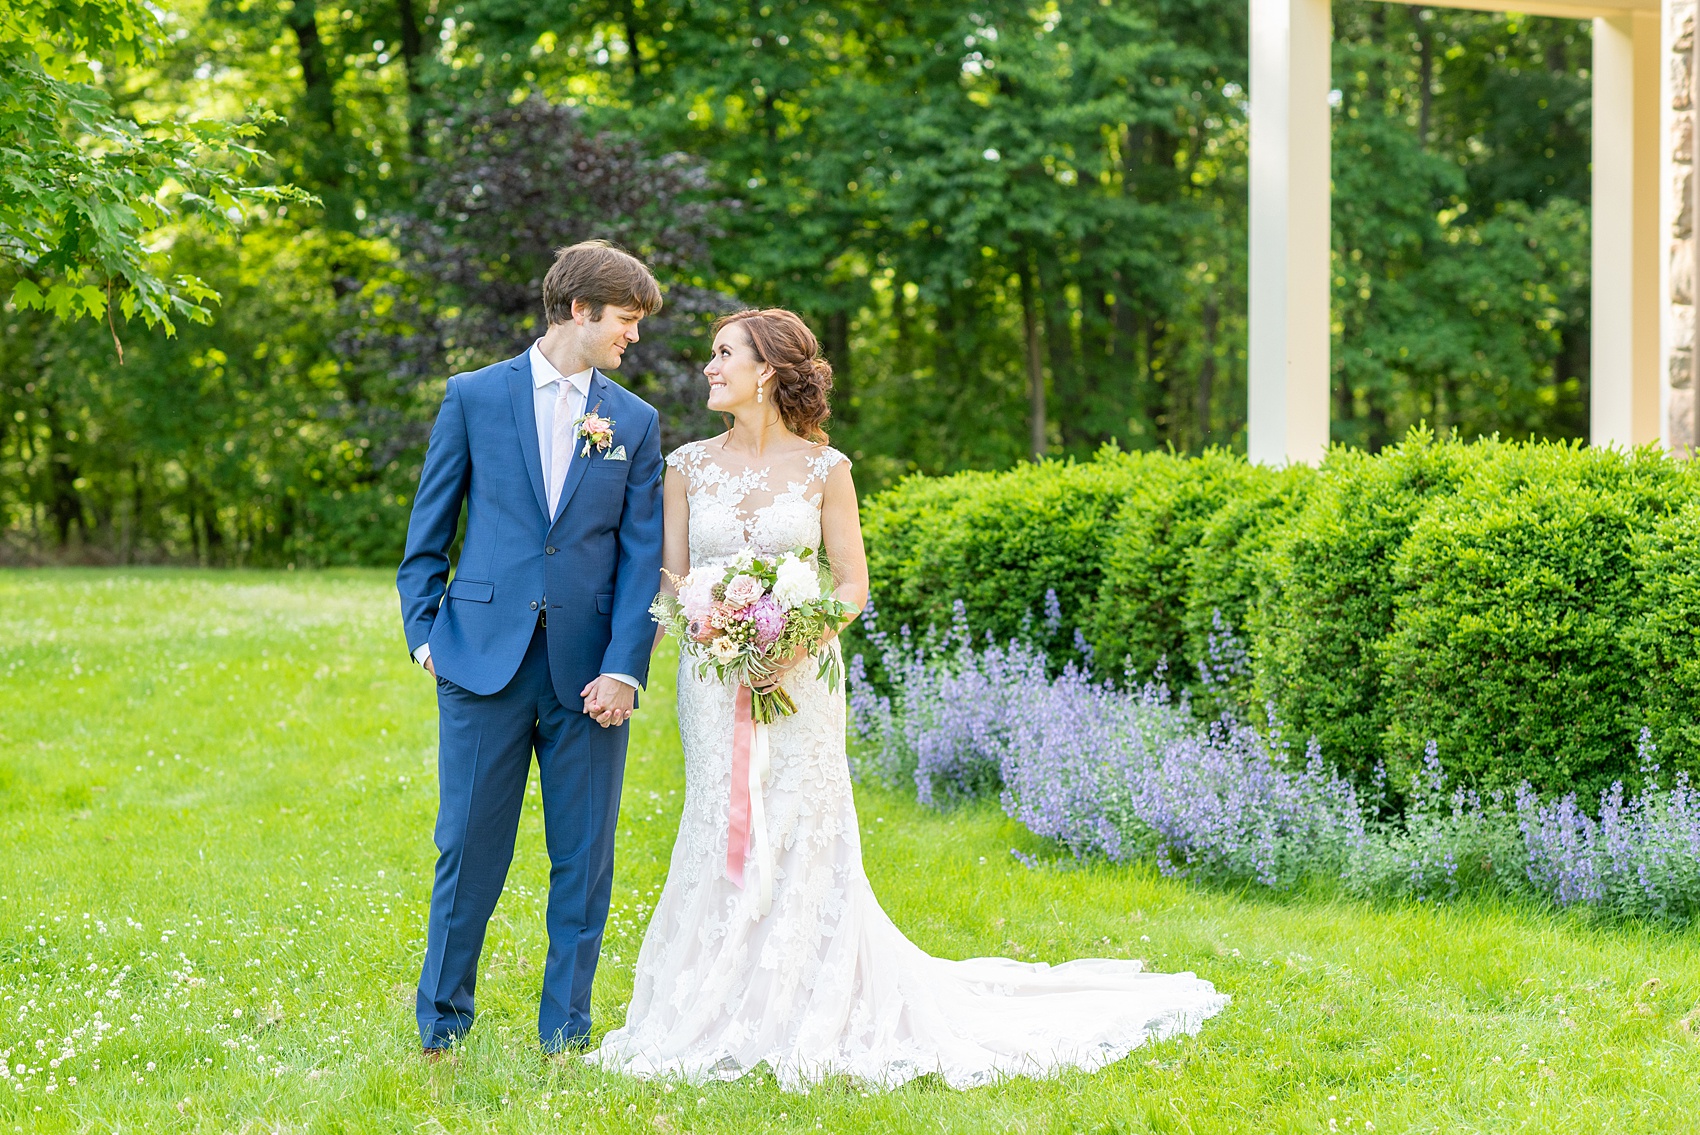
[1508, 643]
[1664, 637]
[1139, 619]
[1229, 572]
[1330, 591]
[1527, 605]
[998, 542]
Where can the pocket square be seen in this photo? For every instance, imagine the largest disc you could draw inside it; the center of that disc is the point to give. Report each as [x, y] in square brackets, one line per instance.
[618, 453]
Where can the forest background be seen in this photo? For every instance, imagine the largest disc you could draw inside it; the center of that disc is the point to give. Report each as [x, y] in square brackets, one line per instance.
[1018, 227]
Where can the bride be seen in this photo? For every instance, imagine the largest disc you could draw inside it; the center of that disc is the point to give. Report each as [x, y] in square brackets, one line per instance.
[823, 983]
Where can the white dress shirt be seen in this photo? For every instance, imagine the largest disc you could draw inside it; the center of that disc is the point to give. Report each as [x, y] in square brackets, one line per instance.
[545, 396]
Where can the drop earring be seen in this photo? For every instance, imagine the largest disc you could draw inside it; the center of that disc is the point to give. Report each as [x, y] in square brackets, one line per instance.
[758, 392]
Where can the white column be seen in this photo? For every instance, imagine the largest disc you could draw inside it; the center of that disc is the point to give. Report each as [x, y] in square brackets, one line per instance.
[1625, 393]
[1289, 269]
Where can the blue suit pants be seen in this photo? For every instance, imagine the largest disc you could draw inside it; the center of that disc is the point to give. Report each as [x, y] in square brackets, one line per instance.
[485, 746]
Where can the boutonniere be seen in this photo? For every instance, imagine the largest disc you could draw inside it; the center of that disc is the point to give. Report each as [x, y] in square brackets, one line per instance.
[595, 430]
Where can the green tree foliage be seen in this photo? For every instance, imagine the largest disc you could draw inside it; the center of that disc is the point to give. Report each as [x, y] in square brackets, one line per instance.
[1015, 227]
[87, 189]
[516, 182]
[1460, 227]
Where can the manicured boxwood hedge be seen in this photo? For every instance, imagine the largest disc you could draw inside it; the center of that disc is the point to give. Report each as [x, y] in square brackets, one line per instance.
[1528, 607]
[999, 541]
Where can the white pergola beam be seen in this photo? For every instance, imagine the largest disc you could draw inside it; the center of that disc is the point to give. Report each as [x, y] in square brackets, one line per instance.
[1562, 9]
[1624, 366]
[1288, 373]
[1287, 341]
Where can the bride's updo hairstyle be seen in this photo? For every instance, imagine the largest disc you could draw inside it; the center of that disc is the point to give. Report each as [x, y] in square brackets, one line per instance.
[802, 378]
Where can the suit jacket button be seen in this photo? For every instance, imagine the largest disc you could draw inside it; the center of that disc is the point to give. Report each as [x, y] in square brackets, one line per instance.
[534, 604]
[550, 551]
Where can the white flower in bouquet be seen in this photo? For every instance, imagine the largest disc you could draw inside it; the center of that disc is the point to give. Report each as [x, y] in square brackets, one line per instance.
[725, 650]
[696, 593]
[796, 582]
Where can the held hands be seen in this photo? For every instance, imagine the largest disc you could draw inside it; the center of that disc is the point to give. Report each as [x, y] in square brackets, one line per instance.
[608, 701]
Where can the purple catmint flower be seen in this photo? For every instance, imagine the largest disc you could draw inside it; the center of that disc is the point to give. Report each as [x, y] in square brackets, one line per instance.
[1132, 772]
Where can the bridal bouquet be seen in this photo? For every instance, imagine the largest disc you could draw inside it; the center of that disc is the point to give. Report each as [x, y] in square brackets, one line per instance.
[742, 620]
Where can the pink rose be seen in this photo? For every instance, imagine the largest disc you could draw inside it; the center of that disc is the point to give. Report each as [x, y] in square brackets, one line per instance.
[744, 590]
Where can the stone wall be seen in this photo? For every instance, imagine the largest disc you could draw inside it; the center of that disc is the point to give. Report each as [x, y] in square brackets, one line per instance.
[1679, 415]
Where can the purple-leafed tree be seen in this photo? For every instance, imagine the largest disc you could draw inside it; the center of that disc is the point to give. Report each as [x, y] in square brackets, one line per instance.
[513, 184]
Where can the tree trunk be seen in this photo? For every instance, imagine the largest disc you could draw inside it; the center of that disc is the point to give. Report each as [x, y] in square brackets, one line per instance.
[318, 99]
[1035, 369]
[1124, 356]
[1209, 319]
[64, 504]
[1157, 412]
[1133, 156]
[213, 535]
[1425, 74]
[318, 95]
[1058, 334]
[412, 61]
[629, 17]
[1344, 403]
[1380, 75]
[837, 350]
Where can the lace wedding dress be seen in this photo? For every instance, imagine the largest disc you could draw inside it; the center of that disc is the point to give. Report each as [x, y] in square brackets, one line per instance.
[824, 984]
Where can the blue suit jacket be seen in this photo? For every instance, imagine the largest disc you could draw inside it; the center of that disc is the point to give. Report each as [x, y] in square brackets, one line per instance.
[597, 565]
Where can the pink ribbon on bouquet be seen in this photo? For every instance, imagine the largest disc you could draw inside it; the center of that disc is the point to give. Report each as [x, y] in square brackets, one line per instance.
[745, 816]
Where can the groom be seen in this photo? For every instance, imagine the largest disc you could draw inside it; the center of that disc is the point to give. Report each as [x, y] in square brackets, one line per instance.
[539, 641]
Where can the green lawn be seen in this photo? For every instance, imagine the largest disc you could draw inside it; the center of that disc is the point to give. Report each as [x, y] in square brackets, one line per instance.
[216, 797]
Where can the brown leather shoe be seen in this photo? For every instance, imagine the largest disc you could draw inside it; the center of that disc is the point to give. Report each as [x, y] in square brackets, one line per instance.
[433, 1055]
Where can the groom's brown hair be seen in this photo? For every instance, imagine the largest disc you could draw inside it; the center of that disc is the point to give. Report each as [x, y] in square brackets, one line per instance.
[599, 274]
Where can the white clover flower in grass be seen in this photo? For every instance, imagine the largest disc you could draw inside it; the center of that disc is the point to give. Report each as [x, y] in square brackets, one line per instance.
[796, 582]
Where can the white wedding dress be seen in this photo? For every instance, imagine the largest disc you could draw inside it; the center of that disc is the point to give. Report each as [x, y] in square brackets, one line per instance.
[824, 984]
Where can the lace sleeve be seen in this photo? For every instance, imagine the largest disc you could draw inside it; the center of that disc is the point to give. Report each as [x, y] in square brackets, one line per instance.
[688, 459]
[823, 462]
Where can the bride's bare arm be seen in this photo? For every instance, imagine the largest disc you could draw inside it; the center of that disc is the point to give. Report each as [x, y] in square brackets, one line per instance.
[676, 538]
[841, 536]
